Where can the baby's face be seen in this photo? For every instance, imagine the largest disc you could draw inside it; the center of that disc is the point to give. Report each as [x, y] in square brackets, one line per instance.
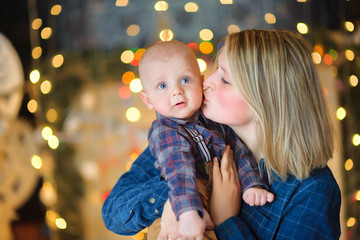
[173, 85]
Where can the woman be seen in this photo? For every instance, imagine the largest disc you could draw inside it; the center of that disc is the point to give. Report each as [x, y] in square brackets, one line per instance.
[267, 91]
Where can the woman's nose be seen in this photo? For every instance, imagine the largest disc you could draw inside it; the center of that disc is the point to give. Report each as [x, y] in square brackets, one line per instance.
[208, 82]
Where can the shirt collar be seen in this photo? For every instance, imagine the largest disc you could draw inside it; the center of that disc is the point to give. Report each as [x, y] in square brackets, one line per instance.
[178, 120]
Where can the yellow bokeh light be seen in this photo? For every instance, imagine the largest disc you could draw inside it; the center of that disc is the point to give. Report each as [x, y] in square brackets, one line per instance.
[135, 85]
[206, 47]
[356, 140]
[127, 56]
[226, 1]
[351, 222]
[133, 30]
[36, 23]
[53, 142]
[58, 61]
[46, 33]
[161, 6]
[134, 156]
[191, 7]
[302, 28]
[206, 34]
[349, 164]
[56, 10]
[138, 236]
[34, 76]
[349, 55]
[60, 223]
[202, 64]
[233, 29]
[270, 18]
[36, 52]
[357, 195]
[128, 165]
[316, 57]
[133, 114]
[45, 87]
[166, 35]
[51, 115]
[122, 3]
[341, 113]
[51, 216]
[349, 26]
[353, 80]
[32, 106]
[301, 0]
[46, 133]
[36, 162]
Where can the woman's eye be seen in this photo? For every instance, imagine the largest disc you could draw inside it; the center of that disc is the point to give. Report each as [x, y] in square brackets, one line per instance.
[224, 81]
[162, 85]
[185, 80]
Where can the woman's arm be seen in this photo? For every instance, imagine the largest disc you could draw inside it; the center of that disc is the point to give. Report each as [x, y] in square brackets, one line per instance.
[137, 199]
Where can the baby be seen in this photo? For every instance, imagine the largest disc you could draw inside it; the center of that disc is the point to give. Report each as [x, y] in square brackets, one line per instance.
[181, 139]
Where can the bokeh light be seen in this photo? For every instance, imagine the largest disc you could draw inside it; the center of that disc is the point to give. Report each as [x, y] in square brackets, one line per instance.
[202, 64]
[349, 164]
[349, 26]
[36, 52]
[135, 85]
[194, 46]
[206, 34]
[226, 1]
[45, 87]
[166, 35]
[316, 57]
[349, 55]
[34, 76]
[127, 56]
[340, 113]
[127, 77]
[133, 114]
[270, 18]
[233, 28]
[61, 223]
[53, 142]
[58, 61]
[55, 10]
[51, 115]
[356, 139]
[328, 59]
[351, 222]
[32, 106]
[333, 53]
[46, 33]
[353, 80]
[36, 162]
[191, 7]
[46, 133]
[206, 47]
[121, 3]
[124, 92]
[302, 28]
[161, 6]
[36, 23]
[319, 49]
[133, 30]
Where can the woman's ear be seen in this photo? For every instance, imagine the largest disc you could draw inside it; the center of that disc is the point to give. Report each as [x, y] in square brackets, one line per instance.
[146, 100]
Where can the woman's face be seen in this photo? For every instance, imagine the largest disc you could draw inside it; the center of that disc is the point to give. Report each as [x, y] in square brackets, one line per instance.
[222, 102]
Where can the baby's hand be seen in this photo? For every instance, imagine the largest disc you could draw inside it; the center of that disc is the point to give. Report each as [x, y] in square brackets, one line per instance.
[191, 225]
[257, 196]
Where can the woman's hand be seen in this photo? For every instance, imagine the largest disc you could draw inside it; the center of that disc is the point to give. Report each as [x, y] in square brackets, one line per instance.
[168, 224]
[225, 198]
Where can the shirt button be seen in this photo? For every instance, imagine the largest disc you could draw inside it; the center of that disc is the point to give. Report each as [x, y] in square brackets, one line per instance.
[156, 211]
[152, 200]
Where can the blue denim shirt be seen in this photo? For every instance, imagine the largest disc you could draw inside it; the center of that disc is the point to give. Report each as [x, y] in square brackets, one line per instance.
[307, 209]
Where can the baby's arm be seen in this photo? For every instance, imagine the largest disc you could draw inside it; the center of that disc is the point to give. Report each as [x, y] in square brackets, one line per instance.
[257, 196]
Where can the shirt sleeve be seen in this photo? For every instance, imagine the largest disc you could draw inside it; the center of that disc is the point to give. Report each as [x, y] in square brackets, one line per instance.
[248, 169]
[310, 212]
[176, 162]
[137, 198]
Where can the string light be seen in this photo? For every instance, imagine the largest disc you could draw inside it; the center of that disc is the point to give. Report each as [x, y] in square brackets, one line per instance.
[53, 142]
[226, 1]
[133, 114]
[32, 106]
[349, 55]
[349, 26]
[341, 113]
[61, 223]
[58, 61]
[202, 64]
[349, 164]
[353, 80]
[270, 18]
[233, 29]
[206, 34]
[45, 87]
[46, 133]
[36, 52]
[36, 23]
[302, 28]
[56, 10]
[161, 6]
[46, 33]
[316, 57]
[166, 35]
[356, 140]
[127, 56]
[191, 7]
[206, 47]
[121, 3]
[36, 162]
[51, 115]
[135, 85]
[133, 30]
[34, 76]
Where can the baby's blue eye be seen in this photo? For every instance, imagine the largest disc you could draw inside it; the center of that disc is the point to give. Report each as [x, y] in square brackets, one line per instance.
[162, 85]
[185, 80]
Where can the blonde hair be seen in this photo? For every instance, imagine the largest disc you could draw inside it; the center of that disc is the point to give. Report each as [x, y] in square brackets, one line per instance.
[274, 72]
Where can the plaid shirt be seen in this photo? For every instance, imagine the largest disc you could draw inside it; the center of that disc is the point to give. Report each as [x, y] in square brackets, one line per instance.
[307, 209]
[177, 154]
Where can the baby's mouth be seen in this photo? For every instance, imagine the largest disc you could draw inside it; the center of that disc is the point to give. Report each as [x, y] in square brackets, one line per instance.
[179, 104]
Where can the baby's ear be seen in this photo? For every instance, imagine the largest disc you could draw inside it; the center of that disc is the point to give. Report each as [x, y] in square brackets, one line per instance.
[146, 100]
